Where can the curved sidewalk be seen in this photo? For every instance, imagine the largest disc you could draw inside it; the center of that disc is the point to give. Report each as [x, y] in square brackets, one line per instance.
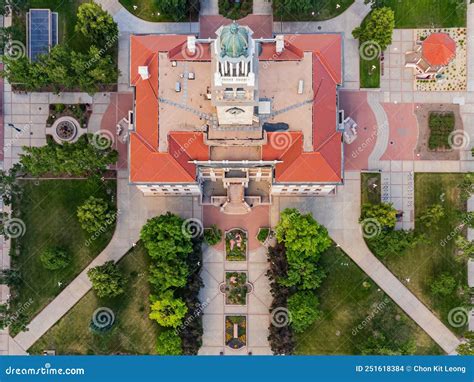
[134, 210]
[340, 215]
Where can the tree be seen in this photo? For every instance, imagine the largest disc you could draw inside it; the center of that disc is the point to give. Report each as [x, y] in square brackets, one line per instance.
[212, 235]
[465, 247]
[383, 213]
[432, 215]
[169, 343]
[303, 307]
[167, 310]
[467, 347]
[466, 186]
[292, 7]
[95, 215]
[377, 28]
[96, 24]
[173, 8]
[8, 7]
[394, 243]
[107, 280]
[55, 258]
[444, 285]
[81, 158]
[165, 238]
[8, 186]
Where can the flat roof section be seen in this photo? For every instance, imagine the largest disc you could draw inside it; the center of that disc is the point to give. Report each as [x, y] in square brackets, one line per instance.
[42, 32]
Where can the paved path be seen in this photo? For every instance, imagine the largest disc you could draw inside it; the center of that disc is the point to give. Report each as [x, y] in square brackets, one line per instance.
[344, 23]
[262, 7]
[209, 7]
[340, 215]
[470, 47]
[398, 188]
[383, 131]
[134, 209]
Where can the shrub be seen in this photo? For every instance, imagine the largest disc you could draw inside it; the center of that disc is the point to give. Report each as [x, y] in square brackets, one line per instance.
[95, 215]
[107, 280]
[444, 285]
[303, 307]
[383, 213]
[96, 24]
[212, 235]
[55, 258]
[377, 27]
[263, 234]
[394, 243]
[167, 310]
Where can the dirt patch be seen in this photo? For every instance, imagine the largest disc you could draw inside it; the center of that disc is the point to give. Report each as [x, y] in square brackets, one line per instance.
[422, 113]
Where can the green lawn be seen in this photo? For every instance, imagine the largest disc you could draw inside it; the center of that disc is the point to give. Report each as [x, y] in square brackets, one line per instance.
[369, 73]
[428, 260]
[371, 187]
[48, 209]
[149, 10]
[441, 126]
[426, 14]
[323, 10]
[346, 303]
[132, 333]
[67, 20]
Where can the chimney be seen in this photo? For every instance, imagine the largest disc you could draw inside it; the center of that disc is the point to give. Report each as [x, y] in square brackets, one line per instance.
[143, 72]
[191, 44]
[280, 43]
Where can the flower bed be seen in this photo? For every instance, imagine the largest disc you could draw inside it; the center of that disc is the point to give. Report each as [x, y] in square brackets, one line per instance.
[236, 245]
[236, 288]
[235, 331]
[80, 112]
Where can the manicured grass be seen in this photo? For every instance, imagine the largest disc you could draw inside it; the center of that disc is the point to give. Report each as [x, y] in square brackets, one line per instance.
[369, 73]
[347, 298]
[323, 10]
[148, 10]
[429, 260]
[371, 187]
[48, 209]
[441, 126]
[426, 14]
[132, 333]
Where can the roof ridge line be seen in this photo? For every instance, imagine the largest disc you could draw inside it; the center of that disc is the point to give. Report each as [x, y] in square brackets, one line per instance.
[327, 67]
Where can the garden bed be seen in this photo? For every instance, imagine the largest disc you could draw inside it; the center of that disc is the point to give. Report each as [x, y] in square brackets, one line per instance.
[236, 288]
[441, 126]
[235, 331]
[236, 243]
[235, 10]
[80, 112]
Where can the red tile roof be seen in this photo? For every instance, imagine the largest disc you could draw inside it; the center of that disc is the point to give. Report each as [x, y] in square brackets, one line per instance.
[438, 49]
[323, 164]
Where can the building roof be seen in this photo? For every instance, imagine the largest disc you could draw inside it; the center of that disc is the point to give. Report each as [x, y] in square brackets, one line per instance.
[234, 41]
[439, 49]
[323, 164]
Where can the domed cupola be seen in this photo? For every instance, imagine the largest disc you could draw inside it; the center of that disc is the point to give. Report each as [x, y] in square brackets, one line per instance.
[234, 41]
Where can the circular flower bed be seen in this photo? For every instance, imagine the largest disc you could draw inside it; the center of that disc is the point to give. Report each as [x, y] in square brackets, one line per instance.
[66, 130]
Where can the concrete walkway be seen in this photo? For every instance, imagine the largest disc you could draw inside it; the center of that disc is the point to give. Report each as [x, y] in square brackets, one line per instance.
[134, 209]
[383, 130]
[262, 7]
[340, 215]
[209, 7]
[470, 47]
[344, 23]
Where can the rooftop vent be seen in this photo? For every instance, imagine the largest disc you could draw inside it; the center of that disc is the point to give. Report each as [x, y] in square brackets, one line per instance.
[143, 72]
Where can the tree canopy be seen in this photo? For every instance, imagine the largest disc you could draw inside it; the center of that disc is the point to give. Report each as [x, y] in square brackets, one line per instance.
[95, 215]
[383, 213]
[303, 307]
[96, 24]
[173, 8]
[167, 310]
[55, 258]
[107, 280]
[377, 28]
[169, 343]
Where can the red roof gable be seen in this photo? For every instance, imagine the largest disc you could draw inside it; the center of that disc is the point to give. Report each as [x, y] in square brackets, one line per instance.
[439, 49]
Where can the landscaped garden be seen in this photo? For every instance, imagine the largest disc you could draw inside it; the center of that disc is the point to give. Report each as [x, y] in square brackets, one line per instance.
[48, 209]
[371, 187]
[369, 73]
[441, 126]
[429, 260]
[163, 10]
[235, 331]
[236, 245]
[236, 288]
[309, 10]
[356, 317]
[130, 331]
